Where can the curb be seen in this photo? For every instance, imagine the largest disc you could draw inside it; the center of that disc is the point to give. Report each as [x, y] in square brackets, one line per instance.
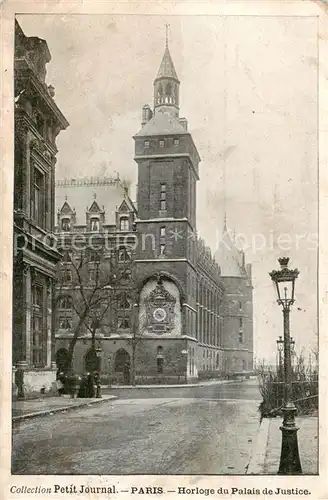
[168, 386]
[258, 455]
[44, 413]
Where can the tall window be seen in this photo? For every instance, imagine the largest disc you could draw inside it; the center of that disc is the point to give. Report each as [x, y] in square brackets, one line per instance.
[39, 341]
[162, 249]
[92, 274]
[66, 302]
[163, 197]
[65, 305]
[241, 337]
[38, 198]
[123, 255]
[162, 233]
[240, 323]
[240, 306]
[176, 142]
[94, 224]
[66, 276]
[147, 144]
[161, 143]
[124, 224]
[66, 224]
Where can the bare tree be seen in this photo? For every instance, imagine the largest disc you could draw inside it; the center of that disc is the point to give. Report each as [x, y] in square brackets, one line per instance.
[98, 285]
[89, 281]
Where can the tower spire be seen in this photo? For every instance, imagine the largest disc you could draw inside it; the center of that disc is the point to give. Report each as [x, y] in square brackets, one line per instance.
[166, 83]
[167, 35]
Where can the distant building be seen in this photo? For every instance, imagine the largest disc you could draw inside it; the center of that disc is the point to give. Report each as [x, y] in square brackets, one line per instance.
[237, 306]
[38, 121]
[189, 315]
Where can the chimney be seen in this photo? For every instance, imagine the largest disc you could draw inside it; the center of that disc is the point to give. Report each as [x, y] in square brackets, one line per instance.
[184, 123]
[146, 114]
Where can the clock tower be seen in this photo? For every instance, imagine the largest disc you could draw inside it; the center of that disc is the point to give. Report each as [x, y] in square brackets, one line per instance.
[165, 262]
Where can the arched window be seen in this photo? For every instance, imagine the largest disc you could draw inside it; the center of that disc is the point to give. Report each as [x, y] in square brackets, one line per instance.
[168, 89]
[122, 358]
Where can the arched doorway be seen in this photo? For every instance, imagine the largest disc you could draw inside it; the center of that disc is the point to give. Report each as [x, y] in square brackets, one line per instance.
[62, 360]
[122, 358]
[122, 365]
[92, 361]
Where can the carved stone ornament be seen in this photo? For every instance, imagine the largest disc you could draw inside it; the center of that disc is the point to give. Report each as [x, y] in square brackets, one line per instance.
[26, 268]
[160, 310]
[41, 148]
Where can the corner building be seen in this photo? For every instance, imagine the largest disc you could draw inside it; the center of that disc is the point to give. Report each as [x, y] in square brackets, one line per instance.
[38, 121]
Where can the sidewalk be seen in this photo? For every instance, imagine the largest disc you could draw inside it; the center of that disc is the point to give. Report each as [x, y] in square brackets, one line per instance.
[50, 405]
[266, 453]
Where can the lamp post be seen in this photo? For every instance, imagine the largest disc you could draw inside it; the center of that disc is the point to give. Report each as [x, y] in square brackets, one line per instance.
[284, 279]
[98, 386]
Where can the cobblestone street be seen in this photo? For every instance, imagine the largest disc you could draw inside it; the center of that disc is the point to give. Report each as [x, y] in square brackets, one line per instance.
[159, 435]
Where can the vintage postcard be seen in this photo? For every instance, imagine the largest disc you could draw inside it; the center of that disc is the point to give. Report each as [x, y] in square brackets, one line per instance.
[163, 243]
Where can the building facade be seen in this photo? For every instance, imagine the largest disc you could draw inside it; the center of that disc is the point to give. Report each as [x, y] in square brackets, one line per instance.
[180, 322]
[38, 121]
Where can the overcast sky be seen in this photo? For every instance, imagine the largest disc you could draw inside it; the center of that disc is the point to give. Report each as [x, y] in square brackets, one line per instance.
[249, 92]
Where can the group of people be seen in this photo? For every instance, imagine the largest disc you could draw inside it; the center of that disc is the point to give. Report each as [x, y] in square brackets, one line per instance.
[87, 387]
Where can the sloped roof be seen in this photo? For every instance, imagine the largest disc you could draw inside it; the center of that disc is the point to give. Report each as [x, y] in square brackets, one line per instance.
[229, 258]
[166, 69]
[162, 123]
[82, 194]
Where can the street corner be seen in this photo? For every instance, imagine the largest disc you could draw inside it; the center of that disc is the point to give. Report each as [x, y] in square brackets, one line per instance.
[32, 409]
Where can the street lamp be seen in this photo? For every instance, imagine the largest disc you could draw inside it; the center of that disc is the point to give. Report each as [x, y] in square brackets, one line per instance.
[284, 279]
[98, 386]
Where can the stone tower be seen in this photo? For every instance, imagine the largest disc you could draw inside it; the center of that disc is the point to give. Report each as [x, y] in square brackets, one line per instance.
[167, 174]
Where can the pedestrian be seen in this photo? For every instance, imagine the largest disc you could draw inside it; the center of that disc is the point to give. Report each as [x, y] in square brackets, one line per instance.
[59, 384]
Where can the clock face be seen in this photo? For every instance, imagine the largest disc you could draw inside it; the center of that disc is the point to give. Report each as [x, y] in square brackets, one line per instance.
[159, 314]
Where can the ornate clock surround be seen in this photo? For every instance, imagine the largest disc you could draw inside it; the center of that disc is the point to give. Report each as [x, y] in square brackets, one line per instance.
[160, 310]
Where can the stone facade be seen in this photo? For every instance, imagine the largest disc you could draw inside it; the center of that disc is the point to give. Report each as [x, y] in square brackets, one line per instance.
[179, 319]
[38, 121]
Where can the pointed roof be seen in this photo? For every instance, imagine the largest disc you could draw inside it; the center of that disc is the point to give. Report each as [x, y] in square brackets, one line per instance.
[66, 209]
[94, 207]
[80, 195]
[229, 258]
[166, 69]
[162, 123]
